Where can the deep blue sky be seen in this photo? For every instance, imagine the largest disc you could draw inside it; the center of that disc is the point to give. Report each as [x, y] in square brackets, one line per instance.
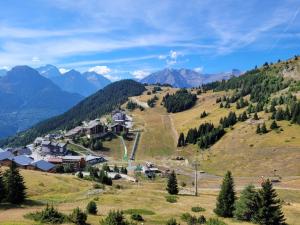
[123, 38]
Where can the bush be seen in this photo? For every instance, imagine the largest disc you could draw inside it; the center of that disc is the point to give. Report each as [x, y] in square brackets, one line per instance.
[192, 220]
[201, 219]
[48, 215]
[213, 221]
[78, 217]
[137, 217]
[115, 217]
[197, 209]
[171, 198]
[186, 216]
[172, 221]
[91, 208]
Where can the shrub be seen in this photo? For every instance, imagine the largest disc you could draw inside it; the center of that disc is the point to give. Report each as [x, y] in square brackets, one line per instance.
[171, 198]
[213, 221]
[78, 217]
[91, 208]
[197, 209]
[201, 219]
[185, 216]
[172, 221]
[192, 220]
[137, 217]
[48, 215]
[115, 217]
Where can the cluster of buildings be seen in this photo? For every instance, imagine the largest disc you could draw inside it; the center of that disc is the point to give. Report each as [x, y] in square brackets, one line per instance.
[120, 122]
[25, 161]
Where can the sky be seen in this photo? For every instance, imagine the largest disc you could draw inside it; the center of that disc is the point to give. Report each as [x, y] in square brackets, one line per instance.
[132, 38]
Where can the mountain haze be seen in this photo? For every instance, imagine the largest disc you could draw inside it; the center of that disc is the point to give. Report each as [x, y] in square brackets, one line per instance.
[73, 81]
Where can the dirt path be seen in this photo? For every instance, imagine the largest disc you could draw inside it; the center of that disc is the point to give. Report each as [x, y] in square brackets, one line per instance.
[143, 104]
[167, 121]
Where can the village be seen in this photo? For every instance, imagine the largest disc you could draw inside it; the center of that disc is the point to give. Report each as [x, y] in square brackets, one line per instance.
[52, 154]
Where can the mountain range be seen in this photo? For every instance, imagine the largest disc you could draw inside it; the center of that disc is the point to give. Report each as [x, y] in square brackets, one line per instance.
[26, 98]
[73, 81]
[184, 78]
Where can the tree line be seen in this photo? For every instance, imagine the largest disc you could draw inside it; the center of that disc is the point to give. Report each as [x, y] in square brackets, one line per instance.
[180, 101]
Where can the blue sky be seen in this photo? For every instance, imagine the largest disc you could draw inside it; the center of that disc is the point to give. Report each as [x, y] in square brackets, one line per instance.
[132, 38]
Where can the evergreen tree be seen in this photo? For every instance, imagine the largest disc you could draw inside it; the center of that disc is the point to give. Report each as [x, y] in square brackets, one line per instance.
[181, 141]
[255, 116]
[14, 185]
[172, 186]
[226, 198]
[246, 207]
[269, 212]
[273, 125]
[91, 208]
[78, 217]
[2, 188]
[258, 131]
[263, 128]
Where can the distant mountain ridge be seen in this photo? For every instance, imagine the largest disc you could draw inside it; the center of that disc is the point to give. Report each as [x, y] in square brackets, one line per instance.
[73, 81]
[185, 78]
[26, 98]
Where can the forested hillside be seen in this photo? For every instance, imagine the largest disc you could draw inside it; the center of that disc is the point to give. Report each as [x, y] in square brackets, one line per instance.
[103, 101]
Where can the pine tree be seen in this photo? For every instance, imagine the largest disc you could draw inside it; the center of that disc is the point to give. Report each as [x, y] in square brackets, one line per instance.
[181, 141]
[258, 131]
[246, 207]
[273, 125]
[263, 129]
[91, 208]
[172, 186]
[269, 212]
[2, 188]
[255, 116]
[14, 185]
[226, 198]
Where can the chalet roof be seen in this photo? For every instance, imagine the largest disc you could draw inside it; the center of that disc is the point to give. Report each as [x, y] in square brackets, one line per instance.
[46, 142]
[73, 131]
[6, 155]
[43, 165]
[1, 150]
[21, 151]
[92, 124]
[92, 157]
[22, 160]
[55, 160]
[61, 144]
[72, 157]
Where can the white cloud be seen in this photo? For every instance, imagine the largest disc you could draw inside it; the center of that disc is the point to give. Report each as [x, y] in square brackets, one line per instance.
[173, 54]
[35, 59]
[102, 70]
[140, 74]
[199, 69]
[4, 68]
[63, 70]
[112, 77]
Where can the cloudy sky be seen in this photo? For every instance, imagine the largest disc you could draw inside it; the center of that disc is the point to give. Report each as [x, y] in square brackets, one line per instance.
[131, 38]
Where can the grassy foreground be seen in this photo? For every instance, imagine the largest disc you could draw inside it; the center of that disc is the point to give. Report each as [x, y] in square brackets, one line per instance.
[67, 192]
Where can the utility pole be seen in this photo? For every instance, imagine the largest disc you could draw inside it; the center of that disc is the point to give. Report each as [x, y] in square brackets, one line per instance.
[196, 164]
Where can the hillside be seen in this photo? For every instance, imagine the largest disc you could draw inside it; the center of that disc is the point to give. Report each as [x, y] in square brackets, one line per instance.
[241, 149]
[26, 98]
[103, 101]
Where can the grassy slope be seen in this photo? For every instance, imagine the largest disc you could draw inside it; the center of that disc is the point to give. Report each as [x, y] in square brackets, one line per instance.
[240, 150]
[67, 192]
